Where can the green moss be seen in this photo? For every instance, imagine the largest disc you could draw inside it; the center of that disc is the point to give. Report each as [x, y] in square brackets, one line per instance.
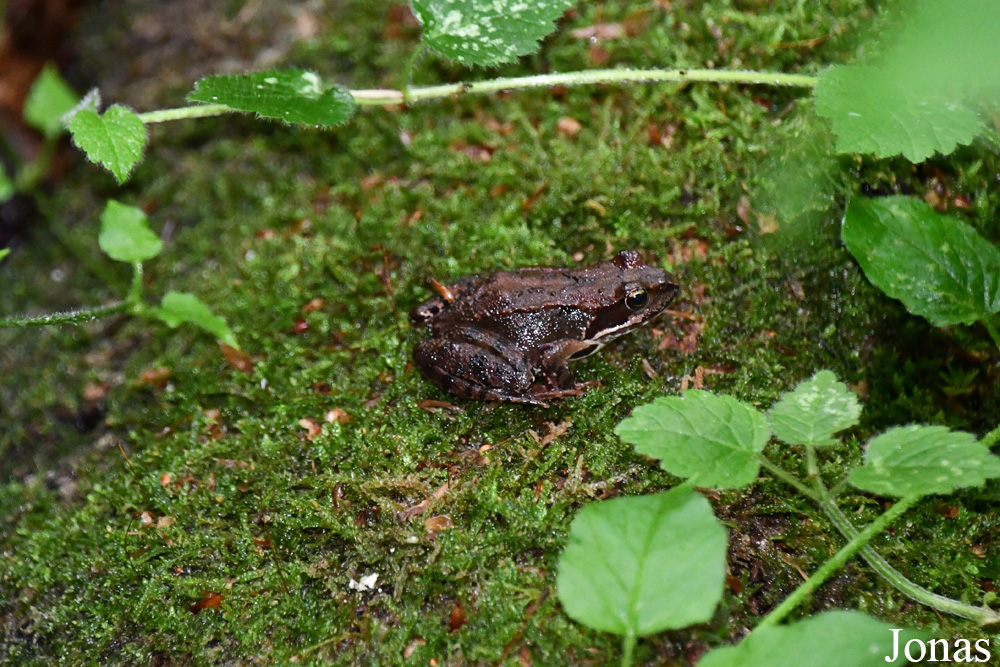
[224, 491]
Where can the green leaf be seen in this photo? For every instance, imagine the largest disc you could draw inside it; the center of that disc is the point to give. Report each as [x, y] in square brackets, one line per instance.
[487, 32]
[3, 253]
[814, 411]
[643, 564]
[294, 96]
[919, 91]
[923, 460]
[939, 267]
[713, 440]
[114, 140]
[832, 639]
[49, 99]
[873, 112]
[180, 307]
[125, 235]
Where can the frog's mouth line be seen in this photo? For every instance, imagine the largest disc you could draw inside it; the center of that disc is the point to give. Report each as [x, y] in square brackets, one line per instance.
[586, 352]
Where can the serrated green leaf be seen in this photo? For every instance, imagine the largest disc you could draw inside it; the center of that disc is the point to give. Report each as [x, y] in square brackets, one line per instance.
[939, 267]
[844, 639]
[125, 235]
[294, 96]
[814, 411]
[180, 307]
[713, 440]
[923, 460]
[643, 564]
[114, 140]
[918, 92]
[873, 112]
[487, 32]
[49, 99]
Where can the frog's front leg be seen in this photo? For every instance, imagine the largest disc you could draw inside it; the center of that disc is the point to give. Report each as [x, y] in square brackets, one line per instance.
[558, 379]
[472, 363]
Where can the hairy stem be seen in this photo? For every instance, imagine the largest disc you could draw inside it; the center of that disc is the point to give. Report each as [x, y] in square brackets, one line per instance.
[385, 97]
[981, 615]
[67, 317]
[196, 111]
[837, 561]
[787, 477]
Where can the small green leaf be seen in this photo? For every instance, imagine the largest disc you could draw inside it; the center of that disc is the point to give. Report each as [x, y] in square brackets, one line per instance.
[487, 32]
[939, 267]
[49, 99]
[713, 440]
[179, 307]
[832, 639]
[814, 411]
[114, 140]
[923, 460]
[294, 96]
[125, 235]
[873, 112]
[3, 253]
[643, 564]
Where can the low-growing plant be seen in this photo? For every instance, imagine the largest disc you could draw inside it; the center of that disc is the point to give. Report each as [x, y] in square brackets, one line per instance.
[125, 236]
[636, 566]
[918, 94]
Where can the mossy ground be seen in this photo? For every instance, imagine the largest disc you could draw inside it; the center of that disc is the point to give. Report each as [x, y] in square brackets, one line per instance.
[223, 490]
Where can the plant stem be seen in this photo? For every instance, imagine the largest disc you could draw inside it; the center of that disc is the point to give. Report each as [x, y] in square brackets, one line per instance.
[411, 62]
[591, 77]
[196, 111]
[33, 173]
[388, 96]
[134, 298]
[67, 317]
[787, 477]
[628, 648]
[981, 615]
[837, 561]
[994, 334]
[812, 468]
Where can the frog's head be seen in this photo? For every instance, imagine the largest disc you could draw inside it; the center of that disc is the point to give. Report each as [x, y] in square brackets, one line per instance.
[641, 293]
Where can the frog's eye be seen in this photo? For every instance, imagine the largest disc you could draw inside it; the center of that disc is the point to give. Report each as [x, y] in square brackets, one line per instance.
[636, 299]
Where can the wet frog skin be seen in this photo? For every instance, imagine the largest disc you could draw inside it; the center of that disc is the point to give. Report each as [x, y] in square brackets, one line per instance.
[511, 336]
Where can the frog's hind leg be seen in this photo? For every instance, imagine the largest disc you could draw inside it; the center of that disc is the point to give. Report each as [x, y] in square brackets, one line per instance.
[477, 364]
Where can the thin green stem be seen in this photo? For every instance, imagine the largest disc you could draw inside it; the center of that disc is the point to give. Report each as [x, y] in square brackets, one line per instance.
[134, 298]
[388, 96]
[837, 488]
[196, 111]
[33, 173]
[991, 438]
[411, 63]
[68, 317]
[837, 561]
[812, 468]
[628, 648]
[981, 615]
[787, 477]
[994, 334]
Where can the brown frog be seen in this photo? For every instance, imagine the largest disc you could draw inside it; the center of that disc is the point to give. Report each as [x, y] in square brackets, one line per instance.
[511, 336]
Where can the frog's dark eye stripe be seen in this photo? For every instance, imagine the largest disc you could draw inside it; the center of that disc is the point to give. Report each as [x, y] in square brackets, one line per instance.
[636, 299]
